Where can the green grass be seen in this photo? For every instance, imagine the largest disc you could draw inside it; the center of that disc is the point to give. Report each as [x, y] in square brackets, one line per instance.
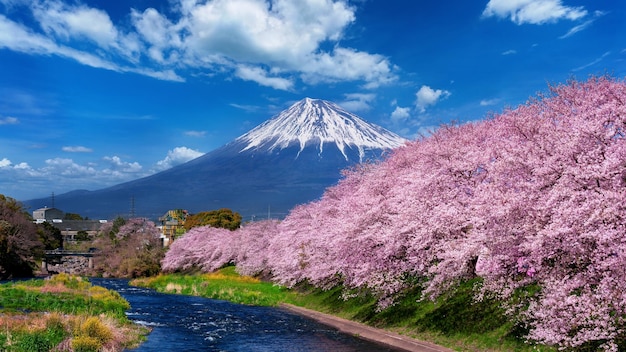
[41, 315]
[63, 294]
[454, 320]
[224, 284]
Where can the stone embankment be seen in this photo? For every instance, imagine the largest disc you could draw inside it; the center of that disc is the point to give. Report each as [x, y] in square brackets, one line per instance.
[69, 265]
[367, 332]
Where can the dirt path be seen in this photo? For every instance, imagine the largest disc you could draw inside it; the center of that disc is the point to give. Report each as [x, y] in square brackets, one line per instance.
[367, 332]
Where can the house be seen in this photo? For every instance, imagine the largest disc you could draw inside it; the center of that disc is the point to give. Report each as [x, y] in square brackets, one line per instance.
[47, 214]
[69, 228]
[172, 224]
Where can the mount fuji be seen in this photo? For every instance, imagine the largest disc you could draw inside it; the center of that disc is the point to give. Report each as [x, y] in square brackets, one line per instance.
[287, 160]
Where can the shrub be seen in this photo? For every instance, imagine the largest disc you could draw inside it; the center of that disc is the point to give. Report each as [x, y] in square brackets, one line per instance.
[94, 327]
[86, 344]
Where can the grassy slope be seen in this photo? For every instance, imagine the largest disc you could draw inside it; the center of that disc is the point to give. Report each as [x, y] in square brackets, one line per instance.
[455, 321]
[64, 312]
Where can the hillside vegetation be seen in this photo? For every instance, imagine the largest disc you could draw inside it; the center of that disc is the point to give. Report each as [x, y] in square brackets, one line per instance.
[527, 207]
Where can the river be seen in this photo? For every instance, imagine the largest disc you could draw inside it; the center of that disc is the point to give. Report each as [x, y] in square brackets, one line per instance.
[186, 323]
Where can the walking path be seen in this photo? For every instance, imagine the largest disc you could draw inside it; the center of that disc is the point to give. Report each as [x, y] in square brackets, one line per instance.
[367, 332]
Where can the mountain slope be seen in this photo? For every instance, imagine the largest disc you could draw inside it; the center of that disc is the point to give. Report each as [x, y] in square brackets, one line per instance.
[287, 160]
[319, 122]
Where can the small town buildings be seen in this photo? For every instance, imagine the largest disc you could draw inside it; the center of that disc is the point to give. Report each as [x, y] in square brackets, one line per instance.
[172, 224]
[69, 228]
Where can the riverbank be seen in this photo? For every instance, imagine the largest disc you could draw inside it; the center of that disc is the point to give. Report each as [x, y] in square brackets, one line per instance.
[64, 313]
[455, 321]
[367, 332]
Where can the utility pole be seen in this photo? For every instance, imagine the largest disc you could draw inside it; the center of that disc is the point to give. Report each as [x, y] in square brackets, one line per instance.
[132, 207]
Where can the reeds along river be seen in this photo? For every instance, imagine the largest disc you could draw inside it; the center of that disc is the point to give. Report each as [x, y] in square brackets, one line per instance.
[185, 323]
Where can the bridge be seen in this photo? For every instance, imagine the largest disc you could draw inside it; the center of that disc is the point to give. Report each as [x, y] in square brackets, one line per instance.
[59, 257]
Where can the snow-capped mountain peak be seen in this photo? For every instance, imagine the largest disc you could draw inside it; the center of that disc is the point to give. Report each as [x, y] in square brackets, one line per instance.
[315, 122]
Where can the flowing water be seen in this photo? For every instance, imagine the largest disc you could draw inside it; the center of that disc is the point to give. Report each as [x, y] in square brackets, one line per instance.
[184, 323]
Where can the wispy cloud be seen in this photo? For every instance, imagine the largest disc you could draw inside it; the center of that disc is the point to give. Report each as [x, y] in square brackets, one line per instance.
[247, 108]
[583, 25]
[509, 52]
[195, 133]
[77, 149]
[9, 120]
[580, 68]
[489, 102]
[357, 102]
[533, 12]
[16, 37]
[262, 77]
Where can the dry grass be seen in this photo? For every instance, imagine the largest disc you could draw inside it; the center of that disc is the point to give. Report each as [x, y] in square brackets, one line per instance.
[173, 288]
[218, 275]
[81, 330]
[78, 327]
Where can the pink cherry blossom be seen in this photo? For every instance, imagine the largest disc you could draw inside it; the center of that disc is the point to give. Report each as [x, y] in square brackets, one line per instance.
[535, 195]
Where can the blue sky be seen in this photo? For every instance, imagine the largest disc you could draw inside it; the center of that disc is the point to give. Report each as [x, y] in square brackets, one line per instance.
[97, 92]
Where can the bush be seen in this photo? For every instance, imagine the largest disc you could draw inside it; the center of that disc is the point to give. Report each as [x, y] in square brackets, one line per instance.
[94, 327]
[86, 344]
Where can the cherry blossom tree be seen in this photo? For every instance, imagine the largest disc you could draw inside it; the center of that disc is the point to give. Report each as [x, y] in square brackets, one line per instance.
[530, 200]
[252, 251]
[128, 248]
[205, 247]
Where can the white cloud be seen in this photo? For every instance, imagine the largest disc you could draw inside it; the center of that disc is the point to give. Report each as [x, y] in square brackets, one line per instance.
[22, 181]
[22, 166]
[160, 34]
[177, 156]
[69, 174]
[267, 42]
[400, 114]
[15, 36]
[116, 165]
[509, 52]
[77, 149]
[355, 102]
[349, 65]
[260, 31]
[426, 96]
[533, 11]
[8, 120]
[260, 76]
[80, 22]
[68, 168]
[4, 162]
